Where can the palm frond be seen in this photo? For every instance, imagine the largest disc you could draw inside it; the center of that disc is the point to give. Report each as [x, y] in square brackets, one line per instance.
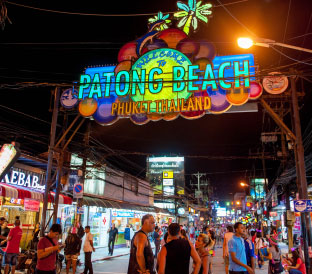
[181, 13]
[183, 6]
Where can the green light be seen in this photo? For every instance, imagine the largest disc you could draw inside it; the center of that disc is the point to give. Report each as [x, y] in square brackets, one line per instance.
[150, 64]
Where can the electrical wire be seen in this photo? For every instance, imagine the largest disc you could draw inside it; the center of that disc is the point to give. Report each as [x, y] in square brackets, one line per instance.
[285, 30]
[102, 15]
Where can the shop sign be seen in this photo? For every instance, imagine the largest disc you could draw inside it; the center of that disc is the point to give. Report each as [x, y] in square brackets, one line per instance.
[181, 210]
[168, 182]
[23, 179]
[31, 205]
[303, 205]
[8, 156]
[127, 214]
[80, 210]
[13, 201]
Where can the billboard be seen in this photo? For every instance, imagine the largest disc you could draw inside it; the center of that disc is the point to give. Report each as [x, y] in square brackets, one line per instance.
[166, 175]
[257, 188]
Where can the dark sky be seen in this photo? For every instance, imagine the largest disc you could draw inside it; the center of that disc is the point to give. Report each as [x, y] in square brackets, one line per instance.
[50, 47]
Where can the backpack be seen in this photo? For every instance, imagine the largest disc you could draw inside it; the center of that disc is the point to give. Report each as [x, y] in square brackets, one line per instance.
[80, 232]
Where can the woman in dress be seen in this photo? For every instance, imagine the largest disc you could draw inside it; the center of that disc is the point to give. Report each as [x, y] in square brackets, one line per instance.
[211, 247]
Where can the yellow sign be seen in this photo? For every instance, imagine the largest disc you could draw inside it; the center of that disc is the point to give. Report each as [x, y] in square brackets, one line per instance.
[168, 174]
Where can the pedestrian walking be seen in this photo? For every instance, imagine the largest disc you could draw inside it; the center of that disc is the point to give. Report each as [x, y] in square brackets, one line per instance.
[297, 264]
[128, 235]
[227, 237]
[260, 245]
[211, 248]
[192, 233]
[113, 237]
[157, 240]
[274, 256]
[12, 250]
[47, 250]
[174, 257]
[88, 248]
[72, 250]
[2, 221]
[201, 248]
[250, 251]
[141, 259]
[238, 260]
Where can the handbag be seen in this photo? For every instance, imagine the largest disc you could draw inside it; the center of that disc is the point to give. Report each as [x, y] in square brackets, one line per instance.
[276, 267]
[264, 252]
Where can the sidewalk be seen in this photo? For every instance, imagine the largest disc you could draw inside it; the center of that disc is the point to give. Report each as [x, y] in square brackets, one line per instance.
[101, 253]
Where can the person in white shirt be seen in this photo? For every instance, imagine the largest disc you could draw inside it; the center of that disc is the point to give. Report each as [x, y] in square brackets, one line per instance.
[226, 256]
[88, 248]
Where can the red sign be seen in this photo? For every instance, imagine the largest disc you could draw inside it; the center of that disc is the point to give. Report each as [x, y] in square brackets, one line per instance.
[31, 205]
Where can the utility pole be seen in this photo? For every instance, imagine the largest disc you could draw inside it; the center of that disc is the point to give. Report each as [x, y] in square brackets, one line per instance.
[50, 160]
[59, 173]
[301, 171]
[198, 176]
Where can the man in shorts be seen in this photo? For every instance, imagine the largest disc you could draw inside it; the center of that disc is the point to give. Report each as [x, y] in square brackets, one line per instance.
[227, 237]
[72, 250]
[12, 250]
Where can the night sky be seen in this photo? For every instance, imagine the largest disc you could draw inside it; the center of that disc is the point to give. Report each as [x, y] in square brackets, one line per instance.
[50, 47]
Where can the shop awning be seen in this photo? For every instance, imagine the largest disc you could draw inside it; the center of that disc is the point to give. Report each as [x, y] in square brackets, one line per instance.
[19, 193]
[92, 201]
[63, 199]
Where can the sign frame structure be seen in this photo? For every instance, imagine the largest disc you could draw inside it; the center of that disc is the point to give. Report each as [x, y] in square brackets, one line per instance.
[303, 205]
[76, 193]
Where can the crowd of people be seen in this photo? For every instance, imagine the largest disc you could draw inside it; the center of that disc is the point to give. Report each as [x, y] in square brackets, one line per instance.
[244, 248]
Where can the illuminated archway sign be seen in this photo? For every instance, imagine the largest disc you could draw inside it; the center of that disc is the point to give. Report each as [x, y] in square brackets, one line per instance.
[165, 74]
[165, 81]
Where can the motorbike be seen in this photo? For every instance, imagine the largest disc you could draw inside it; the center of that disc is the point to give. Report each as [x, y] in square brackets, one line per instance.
[32, 264]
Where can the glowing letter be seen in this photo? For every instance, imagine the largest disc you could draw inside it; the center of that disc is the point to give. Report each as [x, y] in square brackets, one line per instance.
[151, 81]
[122, 77]
[85, 81]
[192, 77]
[108, 76]
[96, 86]
[209, 74]
[136, 81]
[244, 72]
[114, 108]
[178, 74]
[222, 83]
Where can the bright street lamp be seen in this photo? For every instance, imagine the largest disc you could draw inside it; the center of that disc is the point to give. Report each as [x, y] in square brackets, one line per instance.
[246, 43]
[243, 184]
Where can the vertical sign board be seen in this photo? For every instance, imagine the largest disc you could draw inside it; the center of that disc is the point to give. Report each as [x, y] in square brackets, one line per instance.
[165, 174]
[78, 191]
[9, 153]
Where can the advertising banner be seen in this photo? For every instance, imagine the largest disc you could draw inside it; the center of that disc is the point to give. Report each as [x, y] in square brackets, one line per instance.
[31, 205]
[165, 174]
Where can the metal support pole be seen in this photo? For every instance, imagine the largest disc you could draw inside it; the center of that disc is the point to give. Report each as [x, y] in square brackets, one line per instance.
[59, 175]
[303, 194]
[50, 159]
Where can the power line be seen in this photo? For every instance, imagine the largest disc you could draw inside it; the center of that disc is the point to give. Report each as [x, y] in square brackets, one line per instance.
[285, 30]
[99, 14]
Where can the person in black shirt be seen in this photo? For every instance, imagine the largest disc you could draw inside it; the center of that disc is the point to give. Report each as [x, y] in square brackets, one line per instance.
[4, 233]
[174, 257]
[35, 239]
[113, 235]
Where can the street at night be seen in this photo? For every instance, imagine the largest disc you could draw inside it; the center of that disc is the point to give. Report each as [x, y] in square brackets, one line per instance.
[165, 137]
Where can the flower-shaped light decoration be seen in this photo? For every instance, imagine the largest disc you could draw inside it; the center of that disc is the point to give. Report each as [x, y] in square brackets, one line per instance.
[191, 13]
[160, 17]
